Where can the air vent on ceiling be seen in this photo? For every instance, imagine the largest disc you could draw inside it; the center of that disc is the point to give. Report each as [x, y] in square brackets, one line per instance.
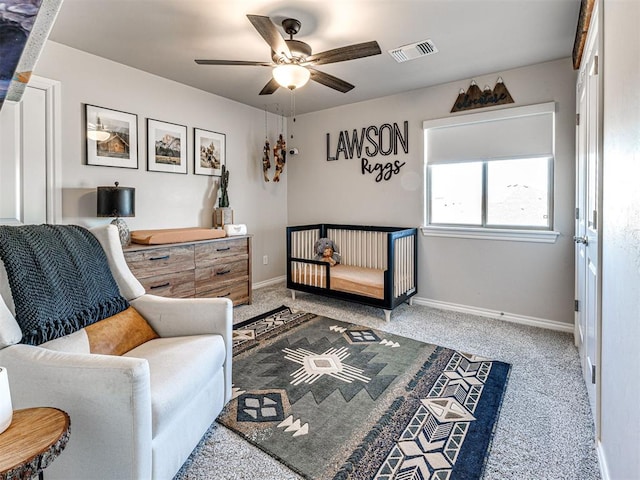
[413, 50]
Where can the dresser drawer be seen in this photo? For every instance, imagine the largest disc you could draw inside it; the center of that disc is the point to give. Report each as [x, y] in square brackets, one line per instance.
[178, 284]
[220, 274]
[158, 261]
[238, 292]
[215, 252]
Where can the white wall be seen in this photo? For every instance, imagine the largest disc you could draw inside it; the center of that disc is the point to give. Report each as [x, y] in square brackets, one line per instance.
[166, 200]
[531, 280]
[620, 356]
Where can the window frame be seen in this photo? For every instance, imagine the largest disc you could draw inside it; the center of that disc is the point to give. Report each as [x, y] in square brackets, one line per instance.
[545, 234]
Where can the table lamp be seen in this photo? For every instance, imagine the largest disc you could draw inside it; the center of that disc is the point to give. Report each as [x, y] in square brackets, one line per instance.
[118, 202]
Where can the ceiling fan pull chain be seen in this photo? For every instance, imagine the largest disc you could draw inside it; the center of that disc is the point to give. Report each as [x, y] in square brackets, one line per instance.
[293, 109]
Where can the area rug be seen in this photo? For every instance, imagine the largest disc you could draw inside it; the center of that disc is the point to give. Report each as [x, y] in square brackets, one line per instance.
[335, 400]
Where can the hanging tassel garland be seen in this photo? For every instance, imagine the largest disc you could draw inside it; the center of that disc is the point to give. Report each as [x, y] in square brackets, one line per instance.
[280, 156]
[266, 163]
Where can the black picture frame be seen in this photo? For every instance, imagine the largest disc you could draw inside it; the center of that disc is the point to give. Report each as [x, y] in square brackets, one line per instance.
[209, 152]
[166, 147]
[119, 148]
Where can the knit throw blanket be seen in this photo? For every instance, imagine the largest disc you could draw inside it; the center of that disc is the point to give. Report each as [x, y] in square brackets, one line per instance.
[60, 280]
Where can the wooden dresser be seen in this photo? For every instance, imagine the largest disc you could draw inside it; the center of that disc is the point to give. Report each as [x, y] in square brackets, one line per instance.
[208, 268]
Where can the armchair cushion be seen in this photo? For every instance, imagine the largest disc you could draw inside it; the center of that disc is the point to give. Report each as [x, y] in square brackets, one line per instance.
[120, 333]
[178, 366]
[57, 291]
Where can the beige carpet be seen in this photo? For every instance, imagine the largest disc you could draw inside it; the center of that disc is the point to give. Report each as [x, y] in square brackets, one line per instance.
[545, 430]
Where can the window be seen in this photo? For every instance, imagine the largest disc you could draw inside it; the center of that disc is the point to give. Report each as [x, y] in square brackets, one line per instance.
[510, 193]
[491, 172]
[456, 194]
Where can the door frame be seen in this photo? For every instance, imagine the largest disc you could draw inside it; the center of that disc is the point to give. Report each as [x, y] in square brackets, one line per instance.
[53, 156]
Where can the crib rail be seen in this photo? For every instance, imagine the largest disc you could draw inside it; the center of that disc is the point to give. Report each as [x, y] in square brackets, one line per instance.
[302, 241]
[361, 248]
[404, 274]
[310, 273]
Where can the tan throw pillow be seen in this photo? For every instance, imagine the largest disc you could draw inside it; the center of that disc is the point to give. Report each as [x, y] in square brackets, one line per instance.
[120, 333]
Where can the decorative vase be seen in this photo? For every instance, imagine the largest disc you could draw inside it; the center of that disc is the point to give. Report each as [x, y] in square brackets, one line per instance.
[6, 410]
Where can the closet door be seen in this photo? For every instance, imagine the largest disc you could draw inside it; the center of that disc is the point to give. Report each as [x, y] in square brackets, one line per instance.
[29, 156]
[588, 230]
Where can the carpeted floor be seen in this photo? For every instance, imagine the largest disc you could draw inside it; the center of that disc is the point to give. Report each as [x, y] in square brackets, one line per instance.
[545, 429]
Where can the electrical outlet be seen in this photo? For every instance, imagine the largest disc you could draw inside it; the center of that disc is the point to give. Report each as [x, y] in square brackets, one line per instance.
[265, 260]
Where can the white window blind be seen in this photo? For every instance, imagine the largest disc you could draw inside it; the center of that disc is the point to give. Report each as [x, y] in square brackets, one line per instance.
[507, 133]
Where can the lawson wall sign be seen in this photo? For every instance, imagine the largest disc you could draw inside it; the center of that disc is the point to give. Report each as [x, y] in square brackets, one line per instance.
[369, 144]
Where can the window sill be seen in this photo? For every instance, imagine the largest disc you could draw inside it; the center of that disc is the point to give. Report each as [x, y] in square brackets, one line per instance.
[533, 236]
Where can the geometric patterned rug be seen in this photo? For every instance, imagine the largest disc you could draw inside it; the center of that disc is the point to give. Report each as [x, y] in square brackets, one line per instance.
[334, 400]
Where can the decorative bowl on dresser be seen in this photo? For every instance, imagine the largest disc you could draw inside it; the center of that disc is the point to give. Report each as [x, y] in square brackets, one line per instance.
[207, 268]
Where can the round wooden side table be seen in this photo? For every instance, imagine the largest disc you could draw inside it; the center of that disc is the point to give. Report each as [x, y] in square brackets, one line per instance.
[34, 439]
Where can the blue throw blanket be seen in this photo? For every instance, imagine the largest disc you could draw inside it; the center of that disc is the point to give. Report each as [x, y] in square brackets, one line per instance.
[60, 280]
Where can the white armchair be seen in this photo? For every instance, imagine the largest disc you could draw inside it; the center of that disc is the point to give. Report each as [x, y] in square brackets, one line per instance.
[135, 416]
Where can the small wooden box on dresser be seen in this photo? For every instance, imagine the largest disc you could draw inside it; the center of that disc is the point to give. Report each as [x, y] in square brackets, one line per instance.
[208, 268]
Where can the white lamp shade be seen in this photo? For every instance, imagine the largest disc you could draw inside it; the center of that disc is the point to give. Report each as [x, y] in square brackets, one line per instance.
[291, 76]
[6, 410]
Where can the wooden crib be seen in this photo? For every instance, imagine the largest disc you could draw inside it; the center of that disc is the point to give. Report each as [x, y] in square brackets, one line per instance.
[378, 265]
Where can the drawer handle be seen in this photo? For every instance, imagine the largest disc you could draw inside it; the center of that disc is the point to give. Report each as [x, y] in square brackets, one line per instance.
[160, 286]
[223, 249]
[223, 272]
[165, 257]
[225, 295]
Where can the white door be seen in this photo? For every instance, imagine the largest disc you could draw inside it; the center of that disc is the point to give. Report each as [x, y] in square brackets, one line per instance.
[588, 218]
[30, 156]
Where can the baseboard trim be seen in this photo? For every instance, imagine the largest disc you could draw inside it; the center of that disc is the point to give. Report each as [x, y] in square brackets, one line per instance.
[508, 317]
[271, 281]
[602, 462]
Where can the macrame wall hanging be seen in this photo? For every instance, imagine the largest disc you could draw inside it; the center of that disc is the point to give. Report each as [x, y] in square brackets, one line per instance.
[279, 151]
[266, 163]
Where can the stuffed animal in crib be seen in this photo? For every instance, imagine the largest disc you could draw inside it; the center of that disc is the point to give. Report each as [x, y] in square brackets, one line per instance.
[266, 163]
[280, 156]
[326, 251]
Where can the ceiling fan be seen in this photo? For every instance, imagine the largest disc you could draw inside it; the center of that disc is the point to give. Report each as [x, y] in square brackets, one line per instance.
[293, 60]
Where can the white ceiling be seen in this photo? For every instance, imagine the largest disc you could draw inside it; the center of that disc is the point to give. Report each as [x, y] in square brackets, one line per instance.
[474, 37]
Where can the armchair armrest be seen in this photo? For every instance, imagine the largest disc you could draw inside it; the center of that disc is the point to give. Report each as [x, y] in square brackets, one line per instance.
[173, 317]
[106, 397]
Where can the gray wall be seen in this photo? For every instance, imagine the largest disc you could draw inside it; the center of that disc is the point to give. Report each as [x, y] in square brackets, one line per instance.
[166, 200]
[620, 357]
[530, 280]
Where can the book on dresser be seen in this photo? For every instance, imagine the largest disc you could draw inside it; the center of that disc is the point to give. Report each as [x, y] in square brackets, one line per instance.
[207, 268]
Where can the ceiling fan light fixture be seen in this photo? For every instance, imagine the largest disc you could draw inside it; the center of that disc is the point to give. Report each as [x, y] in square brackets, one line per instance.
[291, 76]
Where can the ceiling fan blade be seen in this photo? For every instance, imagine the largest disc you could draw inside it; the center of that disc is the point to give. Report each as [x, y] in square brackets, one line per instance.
[233, 62]
[270, 87]
[350, 52]
[269, 32]
[330, 81]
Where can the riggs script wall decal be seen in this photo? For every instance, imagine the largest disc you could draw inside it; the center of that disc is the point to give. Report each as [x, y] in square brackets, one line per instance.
[385, 140]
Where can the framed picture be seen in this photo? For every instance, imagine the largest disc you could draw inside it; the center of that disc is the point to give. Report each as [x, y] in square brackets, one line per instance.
[209, 152]
[166, 147]
[111, 137]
